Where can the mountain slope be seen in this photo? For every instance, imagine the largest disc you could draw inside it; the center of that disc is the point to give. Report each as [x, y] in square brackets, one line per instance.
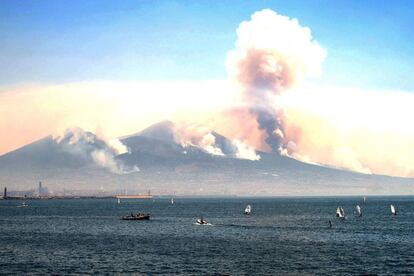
[166, 166]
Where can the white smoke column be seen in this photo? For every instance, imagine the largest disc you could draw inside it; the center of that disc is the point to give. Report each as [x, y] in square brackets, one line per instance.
[273, 53]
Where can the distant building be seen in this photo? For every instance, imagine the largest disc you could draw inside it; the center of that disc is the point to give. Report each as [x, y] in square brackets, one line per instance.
[42, 191]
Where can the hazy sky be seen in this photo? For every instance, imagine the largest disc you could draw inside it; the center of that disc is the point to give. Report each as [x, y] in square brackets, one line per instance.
[332, 79]
[369, 42]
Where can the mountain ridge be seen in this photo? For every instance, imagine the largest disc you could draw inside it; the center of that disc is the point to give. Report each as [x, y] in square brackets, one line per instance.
[156, 160]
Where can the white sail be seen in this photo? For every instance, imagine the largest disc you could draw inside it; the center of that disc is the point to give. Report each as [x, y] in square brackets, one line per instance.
[340, 212]
[358, 210]
[393, 210]
[119, 201]
[365, 198]
[248, 210]
[172, 200]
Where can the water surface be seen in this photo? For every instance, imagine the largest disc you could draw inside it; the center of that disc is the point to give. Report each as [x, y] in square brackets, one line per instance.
[282, 236]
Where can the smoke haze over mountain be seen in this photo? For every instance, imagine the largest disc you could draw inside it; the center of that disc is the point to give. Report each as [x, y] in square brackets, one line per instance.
[270, 102]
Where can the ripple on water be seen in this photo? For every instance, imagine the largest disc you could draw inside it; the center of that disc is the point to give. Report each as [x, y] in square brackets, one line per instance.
[282, 236]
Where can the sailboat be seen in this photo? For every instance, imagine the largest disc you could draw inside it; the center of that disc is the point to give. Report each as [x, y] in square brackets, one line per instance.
[248, 210]
[119, 201]
[340, 212]
[365, 199]
[24, 204]
[358, 211]
[393, 210]
[172, 200]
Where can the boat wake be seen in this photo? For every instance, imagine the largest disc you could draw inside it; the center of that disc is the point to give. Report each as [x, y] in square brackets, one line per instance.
[205, 224]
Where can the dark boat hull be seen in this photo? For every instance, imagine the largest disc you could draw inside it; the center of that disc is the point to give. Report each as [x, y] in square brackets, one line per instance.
[146, 217]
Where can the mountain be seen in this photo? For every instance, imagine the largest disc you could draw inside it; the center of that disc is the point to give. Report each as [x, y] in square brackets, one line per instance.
[163, 131]
[154, 159]
[72, 150]
[74, 158]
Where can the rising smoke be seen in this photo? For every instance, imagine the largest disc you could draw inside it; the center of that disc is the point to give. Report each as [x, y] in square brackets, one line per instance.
[273, 57]
[211, 142]
[101, 151]
[273, 53]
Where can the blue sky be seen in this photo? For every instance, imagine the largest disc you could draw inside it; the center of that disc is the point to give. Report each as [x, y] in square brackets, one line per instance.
[369, 43]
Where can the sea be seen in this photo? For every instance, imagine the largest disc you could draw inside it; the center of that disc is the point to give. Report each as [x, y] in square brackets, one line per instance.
[282, 236]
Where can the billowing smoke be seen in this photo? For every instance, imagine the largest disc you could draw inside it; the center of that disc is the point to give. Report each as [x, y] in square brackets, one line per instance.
[278, 111]
[102, 152]
[273, 53]
[244, 151]
[105, 159]
[196, 135]
[212, 142]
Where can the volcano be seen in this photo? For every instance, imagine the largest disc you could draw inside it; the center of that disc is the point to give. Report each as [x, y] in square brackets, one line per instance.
[155, 159]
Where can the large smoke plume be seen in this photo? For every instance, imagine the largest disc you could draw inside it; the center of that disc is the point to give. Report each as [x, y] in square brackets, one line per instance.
[273, 53]
[273, 56]
[100, 150]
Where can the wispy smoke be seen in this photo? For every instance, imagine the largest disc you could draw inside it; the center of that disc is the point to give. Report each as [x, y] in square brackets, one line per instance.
[102, 152]
[106, 160]
[273, 53]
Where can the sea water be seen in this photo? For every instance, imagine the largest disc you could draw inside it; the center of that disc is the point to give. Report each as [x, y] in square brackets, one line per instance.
[281, 236]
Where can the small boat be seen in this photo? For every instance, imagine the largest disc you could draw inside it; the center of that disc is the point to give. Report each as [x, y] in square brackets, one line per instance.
[393, 210]
[358, 211]
[119, 201]
[201, 221]
[138, 216]
[172, 200]
[248, 210]
[24, 204]
[340, 213]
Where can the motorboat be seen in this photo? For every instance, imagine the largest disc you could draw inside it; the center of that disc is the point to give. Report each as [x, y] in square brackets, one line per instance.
[24, 204]
[138, 216]
[201, 221]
